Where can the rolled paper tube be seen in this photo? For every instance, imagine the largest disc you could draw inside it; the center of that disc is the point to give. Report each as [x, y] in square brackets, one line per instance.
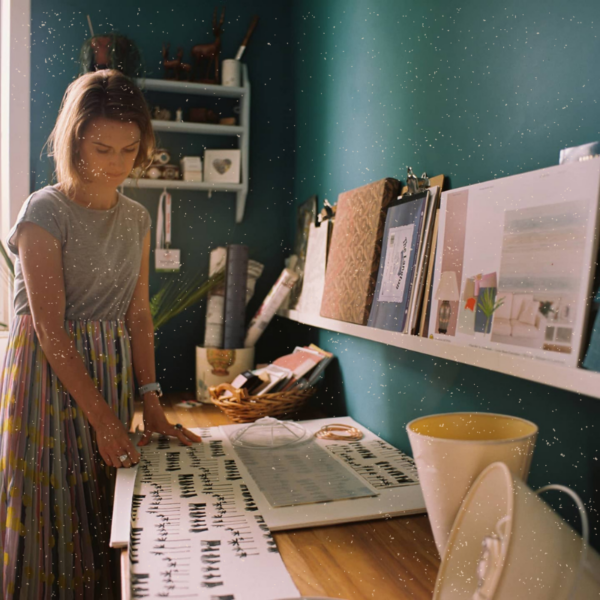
[255, 270]
[213, 335]
[270, 306]
[236, 275]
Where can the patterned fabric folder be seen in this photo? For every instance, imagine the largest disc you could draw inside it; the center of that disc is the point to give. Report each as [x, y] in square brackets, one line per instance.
[354, 253]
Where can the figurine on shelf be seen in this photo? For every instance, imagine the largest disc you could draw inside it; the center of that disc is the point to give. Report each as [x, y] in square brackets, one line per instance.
[161, 156]
[111, 51]
[161, 114]
[170, 172]
[203, 115]
[185, 69]
[153, 172]
[173, 67]
[206, 56]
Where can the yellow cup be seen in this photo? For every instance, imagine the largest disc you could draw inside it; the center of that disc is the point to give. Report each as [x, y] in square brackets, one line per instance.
[451, 450]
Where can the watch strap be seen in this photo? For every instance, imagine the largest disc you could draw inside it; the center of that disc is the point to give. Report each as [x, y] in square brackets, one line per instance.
[150, 387]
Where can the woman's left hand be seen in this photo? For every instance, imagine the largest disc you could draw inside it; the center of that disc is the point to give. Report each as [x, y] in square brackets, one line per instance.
[155, 421]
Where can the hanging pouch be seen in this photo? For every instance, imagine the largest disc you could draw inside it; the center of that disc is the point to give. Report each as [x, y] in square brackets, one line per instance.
[167, 259]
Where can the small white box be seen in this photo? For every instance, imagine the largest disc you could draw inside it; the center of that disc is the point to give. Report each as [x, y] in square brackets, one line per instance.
[222, 166]
[191, 167]
[192, 175]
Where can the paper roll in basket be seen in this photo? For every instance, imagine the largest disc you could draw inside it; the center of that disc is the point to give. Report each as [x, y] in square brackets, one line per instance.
[508, 544]
[451, 450]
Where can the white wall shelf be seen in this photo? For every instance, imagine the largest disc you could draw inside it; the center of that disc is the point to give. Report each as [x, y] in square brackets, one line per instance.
[579, 381]
[192, 88]
[241, 132]
[199, 128]
[179, 184]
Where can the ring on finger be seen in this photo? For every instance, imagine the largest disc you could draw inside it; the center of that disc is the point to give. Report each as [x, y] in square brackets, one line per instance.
[123, 457]
[178, 426]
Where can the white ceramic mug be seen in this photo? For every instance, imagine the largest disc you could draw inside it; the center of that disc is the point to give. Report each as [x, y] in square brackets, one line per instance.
[232, 73]
[535, 555]
[451, 450]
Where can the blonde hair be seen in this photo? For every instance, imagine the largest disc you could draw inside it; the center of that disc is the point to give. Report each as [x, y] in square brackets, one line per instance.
[106, 93]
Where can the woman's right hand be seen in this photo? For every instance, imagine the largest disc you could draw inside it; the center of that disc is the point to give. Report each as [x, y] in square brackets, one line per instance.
[113, 442]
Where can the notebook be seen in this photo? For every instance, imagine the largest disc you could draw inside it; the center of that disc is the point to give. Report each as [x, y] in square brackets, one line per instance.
[355, 249]
[401, 242]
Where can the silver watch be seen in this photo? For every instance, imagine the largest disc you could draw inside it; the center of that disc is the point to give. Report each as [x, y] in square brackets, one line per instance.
[151, 387]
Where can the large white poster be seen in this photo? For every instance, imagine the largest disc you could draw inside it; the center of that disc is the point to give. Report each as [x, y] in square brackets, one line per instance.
[522, 253]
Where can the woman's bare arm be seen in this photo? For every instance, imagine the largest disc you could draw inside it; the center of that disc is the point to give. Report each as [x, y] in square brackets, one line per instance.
[41, 259]
[141, 331]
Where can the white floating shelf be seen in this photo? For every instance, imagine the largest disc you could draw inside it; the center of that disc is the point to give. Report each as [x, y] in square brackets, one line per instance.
[178, 184]
[189, 87]
[241, 131]
[203, 128]
[579, 381]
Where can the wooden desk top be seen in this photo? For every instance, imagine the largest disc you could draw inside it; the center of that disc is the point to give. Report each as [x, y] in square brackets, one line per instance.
[387, 559]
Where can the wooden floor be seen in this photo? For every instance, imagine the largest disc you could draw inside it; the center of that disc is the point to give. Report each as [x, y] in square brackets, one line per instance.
[386, 559]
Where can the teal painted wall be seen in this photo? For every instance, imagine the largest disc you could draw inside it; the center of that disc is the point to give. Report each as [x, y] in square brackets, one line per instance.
[474, 90]
[343, 94]
[59, 28]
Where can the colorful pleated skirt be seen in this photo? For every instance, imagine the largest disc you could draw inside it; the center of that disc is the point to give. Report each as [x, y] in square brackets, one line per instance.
[55, 491]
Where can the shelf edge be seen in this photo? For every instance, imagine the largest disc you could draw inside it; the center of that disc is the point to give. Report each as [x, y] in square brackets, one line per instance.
[571, 379]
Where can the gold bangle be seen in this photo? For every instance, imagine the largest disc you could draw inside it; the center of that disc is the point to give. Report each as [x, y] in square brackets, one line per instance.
[328, 432]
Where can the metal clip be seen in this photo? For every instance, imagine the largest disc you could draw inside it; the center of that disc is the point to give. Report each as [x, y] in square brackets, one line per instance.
[416, 184]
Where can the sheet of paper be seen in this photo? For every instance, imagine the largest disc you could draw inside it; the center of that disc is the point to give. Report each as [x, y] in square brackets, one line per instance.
[196, 529]
[378, 462]
[392, 500]
[301, 474]
[313, 280]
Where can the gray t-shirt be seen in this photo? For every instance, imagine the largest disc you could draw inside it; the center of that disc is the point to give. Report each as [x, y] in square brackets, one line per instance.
[101, 251]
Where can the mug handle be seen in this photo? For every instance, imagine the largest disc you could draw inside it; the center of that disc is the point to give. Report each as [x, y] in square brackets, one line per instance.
[585, 528]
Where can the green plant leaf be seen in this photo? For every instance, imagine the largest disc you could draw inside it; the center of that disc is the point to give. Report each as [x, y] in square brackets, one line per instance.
[174, 297]
[487, 304]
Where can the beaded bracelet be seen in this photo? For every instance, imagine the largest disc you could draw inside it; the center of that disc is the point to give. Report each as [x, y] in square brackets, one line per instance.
[328, 432]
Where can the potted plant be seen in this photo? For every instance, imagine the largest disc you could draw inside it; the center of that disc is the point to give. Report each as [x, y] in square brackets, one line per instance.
[489, 306]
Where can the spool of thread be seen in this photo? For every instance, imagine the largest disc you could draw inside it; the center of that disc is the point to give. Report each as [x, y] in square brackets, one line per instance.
[232, 73]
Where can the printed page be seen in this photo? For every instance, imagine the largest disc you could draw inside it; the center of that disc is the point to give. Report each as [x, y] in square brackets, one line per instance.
[196, 529]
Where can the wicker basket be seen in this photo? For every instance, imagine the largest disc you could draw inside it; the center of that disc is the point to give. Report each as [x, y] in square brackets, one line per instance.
[242, 408]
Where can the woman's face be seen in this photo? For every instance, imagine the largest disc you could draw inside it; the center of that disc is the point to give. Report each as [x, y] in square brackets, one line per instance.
[107, 151]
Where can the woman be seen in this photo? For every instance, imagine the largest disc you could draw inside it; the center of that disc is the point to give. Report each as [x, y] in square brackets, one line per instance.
[82, 325]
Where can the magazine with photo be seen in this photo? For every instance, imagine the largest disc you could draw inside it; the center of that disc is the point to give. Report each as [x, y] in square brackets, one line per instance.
[515, 262]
